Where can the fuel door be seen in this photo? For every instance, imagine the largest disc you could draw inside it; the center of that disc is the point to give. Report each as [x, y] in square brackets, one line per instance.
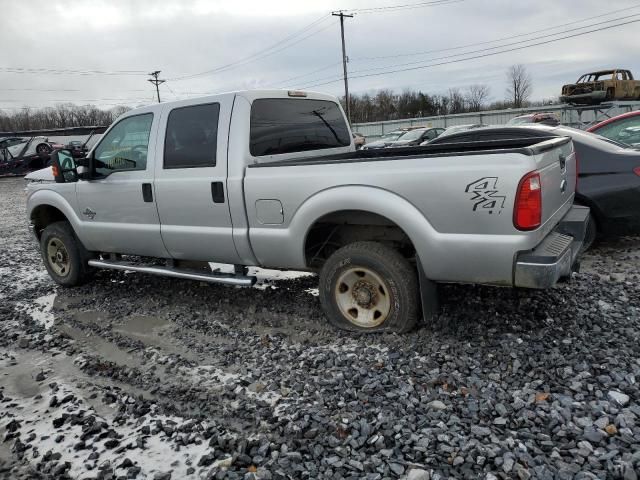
[269, 212]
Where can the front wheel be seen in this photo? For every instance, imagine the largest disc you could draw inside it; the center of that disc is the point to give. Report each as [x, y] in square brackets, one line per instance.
[369, 287]
[65, 258]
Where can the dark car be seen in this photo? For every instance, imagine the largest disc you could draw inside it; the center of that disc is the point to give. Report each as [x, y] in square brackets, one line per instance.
[416, 137]
[624, 128]
[608, 174]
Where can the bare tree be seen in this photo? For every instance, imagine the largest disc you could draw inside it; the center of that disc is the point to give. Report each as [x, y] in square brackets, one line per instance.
[519, 85]
[456, 101]
[476, 96]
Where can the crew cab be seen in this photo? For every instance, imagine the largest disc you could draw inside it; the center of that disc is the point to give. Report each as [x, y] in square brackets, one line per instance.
[272, 179]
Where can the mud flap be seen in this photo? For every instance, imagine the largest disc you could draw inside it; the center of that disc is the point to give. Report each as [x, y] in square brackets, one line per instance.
[428, 295]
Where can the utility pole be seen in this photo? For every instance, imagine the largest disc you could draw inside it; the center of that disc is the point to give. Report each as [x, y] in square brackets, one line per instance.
[156, 82]
[341, 14]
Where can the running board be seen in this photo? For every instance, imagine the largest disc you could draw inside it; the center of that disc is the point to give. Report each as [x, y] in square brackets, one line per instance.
[238, 280]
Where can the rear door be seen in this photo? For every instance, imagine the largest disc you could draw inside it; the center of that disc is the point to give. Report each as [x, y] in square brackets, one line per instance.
[191, 181]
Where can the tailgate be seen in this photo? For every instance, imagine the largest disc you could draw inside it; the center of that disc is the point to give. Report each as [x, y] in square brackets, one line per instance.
[556, 162]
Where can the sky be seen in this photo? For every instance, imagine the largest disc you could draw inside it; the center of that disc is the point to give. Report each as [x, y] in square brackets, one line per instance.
[100, 52]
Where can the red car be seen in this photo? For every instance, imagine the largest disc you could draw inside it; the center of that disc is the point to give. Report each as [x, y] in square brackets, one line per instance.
[624, 128]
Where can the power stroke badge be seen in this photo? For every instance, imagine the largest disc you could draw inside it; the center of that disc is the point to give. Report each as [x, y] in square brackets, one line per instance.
[486, 196]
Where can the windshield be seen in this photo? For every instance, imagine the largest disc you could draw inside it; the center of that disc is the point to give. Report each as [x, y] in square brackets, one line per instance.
[412, 135]
[625, 131]
[391, 137]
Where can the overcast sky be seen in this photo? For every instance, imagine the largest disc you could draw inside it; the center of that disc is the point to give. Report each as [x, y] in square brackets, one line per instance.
[183, 38]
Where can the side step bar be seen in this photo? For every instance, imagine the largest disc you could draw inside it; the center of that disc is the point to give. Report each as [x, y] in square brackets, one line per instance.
[238, 280]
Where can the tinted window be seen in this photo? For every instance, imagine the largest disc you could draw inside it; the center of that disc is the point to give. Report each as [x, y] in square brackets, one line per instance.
[125, 146]
[290, 125]
[192, 135]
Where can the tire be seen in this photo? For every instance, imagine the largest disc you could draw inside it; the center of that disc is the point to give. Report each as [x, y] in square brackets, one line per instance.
[367, 287]
[590, 235]
[43, 149]
[65, 258]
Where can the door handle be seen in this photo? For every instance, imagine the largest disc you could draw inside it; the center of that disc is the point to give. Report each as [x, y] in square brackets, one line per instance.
[147, 193]
[217, 192]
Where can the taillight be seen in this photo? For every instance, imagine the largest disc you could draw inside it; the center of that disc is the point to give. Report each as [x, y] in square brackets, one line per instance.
[637, 171]
[527, 214]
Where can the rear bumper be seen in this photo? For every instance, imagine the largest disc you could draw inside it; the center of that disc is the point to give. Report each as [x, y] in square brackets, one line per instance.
[556, 256]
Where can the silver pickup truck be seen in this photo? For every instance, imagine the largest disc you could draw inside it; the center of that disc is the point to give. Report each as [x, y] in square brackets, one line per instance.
[272, 179]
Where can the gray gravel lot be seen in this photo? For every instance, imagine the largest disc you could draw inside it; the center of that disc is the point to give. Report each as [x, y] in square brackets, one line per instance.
[136, 376]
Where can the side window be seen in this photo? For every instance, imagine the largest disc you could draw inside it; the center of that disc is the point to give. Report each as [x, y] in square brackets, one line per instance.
[288, 125]
[192, 137]
[431, 134]
[125, 146]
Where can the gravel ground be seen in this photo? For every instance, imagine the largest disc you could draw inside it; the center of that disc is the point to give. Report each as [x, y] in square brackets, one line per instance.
[144, 377]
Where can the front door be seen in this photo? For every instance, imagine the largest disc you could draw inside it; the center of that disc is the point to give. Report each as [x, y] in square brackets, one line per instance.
[191, 182]
[118, 210]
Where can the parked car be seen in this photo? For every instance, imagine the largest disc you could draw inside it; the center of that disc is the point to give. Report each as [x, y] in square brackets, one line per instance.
[624, 128]
[272, 178]
[544, 118]
[22, 158]
[358, 139]
[416, 137]
[608, 174]
[388, 138]
[605, 85]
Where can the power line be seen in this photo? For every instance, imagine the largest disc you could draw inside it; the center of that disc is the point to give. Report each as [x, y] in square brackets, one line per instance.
[477, 56]
[493, 48]
[58, 71]
[409, 6]
[259, 53]
[286, 81]
[425, 52]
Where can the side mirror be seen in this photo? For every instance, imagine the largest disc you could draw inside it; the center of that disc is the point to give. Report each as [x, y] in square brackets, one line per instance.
[64, 166]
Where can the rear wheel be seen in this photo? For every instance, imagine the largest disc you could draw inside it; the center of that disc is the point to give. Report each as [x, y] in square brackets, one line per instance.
[369, 287]
[65, 258]
[44, 148]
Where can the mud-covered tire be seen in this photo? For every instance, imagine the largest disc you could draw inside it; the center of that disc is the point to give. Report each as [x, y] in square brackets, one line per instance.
[65, 258]
[375, 278]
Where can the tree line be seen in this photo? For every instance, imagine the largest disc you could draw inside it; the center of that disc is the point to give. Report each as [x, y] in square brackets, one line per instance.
[388, 105]
[60, 116]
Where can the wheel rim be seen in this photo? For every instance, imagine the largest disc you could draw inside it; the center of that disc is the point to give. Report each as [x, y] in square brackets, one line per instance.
[363, 297]
[58, 257]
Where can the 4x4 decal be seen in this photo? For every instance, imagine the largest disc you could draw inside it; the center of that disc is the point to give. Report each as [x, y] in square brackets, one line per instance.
[486, 196]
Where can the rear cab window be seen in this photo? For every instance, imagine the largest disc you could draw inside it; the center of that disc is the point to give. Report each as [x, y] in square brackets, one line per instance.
[287, 125]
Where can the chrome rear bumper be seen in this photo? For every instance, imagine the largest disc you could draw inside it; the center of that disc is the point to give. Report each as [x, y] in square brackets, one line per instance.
[556, 256]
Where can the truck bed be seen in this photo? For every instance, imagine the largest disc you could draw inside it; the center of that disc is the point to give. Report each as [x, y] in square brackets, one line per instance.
[525, 146]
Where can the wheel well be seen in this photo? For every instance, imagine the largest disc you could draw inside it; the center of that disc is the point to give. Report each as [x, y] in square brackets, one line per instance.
[337, 229]
[45, 215]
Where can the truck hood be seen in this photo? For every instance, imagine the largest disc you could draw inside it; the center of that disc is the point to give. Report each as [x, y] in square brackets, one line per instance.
[42, 175]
